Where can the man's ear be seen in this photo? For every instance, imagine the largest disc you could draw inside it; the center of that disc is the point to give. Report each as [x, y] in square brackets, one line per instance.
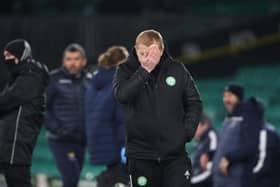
[85, 62]
[161, 51]
[135, 49]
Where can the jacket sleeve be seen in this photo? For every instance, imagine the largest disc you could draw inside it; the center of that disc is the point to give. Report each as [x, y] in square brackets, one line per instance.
[90, 102]
[51, 121]
[269, 147]
[192, 105]
[22, 91]
[212, 144]
[120, 125]
[127, 87]
[248, 141]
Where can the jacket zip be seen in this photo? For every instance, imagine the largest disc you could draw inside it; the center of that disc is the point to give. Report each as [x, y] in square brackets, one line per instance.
[156, 90]
[158, 115]
[15, 135]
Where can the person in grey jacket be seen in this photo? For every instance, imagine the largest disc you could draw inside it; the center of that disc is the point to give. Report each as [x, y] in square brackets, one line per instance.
[238, 141]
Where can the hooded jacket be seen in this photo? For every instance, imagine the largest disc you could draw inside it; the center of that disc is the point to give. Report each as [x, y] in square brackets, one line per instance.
[104, 120]
[162, 108]
[238, 143]
[21, 112]
[266, 169]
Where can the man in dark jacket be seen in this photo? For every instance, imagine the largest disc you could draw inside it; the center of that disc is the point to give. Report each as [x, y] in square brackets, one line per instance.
[162, 109]
[4, 75]
[205, 147]
[21, 112]
[65, 116]
[238, 142]
[267, 167]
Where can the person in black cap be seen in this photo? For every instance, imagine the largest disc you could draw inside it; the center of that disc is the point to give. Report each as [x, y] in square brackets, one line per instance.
[238, 142]
[233, 94]
[21, 112]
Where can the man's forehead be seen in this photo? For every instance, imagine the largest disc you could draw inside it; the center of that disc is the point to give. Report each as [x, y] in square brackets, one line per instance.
[72, 54]
[142, 47]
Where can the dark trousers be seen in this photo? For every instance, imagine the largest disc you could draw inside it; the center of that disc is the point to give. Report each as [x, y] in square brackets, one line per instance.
[16, 175]
[114, 175]
[69, 158]
[203, 184]
[267, 182]
[150, 173]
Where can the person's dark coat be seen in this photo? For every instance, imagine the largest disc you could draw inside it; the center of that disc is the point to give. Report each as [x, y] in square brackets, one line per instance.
[162, 108]
[21, 112]
[65, 115]
[238, 143]
[104, 120]
[267, 167]
[207, 144]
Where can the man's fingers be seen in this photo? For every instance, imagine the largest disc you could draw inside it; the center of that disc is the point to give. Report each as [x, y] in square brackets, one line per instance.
[153, 56]
[153, 49]
[204, 161]
[151, 53]
[146, 54]
[145, 58]
[225, 172]
[223, 169]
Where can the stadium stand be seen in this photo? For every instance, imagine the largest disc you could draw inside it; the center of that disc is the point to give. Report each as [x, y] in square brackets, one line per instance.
[262, 81]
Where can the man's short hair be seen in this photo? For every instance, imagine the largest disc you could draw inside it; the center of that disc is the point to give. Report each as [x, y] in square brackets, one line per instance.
[148, 37]
[74, 47]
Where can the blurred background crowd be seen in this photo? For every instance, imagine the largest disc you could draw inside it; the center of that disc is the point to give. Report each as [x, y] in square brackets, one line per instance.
[219, 41]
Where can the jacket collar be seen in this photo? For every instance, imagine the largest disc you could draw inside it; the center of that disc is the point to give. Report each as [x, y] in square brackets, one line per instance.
[237, 111]
[103, 77]
[73, 76]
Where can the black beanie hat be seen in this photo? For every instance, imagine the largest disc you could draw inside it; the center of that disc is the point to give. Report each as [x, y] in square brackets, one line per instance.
[20, 48]
[236, 89]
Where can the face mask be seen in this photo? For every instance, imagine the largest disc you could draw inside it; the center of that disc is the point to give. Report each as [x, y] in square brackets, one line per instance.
[10, 64]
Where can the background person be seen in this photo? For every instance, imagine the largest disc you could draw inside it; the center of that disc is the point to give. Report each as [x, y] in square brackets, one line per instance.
[266, 168]
[104, 121]
[65, 116]
[204, 150]
[238, 141]
[21, 112]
